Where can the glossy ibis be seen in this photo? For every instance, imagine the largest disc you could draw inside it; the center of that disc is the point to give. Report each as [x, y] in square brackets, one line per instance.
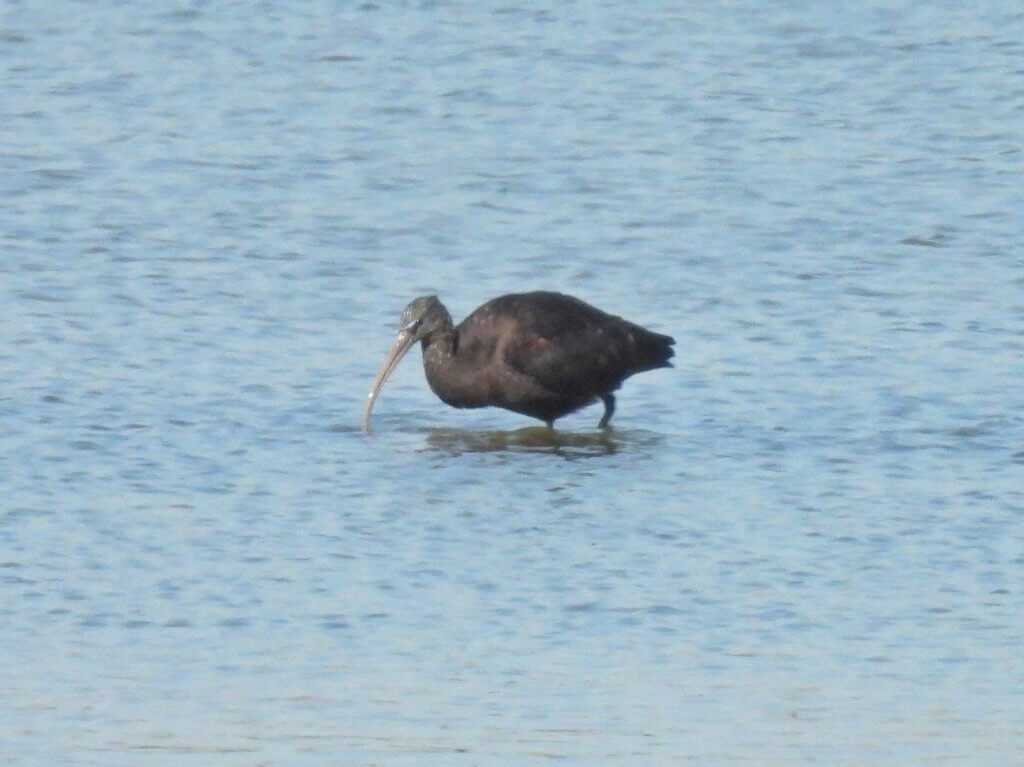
[541, 354]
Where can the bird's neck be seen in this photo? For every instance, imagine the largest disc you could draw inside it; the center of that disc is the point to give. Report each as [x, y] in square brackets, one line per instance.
[449, 374]
[439, 349]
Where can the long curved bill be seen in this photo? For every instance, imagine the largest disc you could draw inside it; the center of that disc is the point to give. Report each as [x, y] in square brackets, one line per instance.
[402, 343]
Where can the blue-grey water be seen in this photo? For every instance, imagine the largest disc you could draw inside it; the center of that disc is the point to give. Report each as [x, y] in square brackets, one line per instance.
[802, 545]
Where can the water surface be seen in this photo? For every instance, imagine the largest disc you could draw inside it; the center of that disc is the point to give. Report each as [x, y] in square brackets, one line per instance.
[803, 545]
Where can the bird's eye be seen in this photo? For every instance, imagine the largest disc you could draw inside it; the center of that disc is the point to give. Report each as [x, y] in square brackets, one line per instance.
[413, 325]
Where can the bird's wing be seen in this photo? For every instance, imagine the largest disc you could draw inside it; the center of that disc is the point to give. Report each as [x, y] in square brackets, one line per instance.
[565, 345]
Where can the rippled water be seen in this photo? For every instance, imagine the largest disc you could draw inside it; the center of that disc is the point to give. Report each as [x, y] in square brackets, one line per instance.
[803, 545]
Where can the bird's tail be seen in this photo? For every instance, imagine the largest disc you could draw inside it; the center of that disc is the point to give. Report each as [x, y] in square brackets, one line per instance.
[653, 350]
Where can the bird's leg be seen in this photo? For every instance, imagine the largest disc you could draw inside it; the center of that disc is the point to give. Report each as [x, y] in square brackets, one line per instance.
[551, 424]
[609, 409]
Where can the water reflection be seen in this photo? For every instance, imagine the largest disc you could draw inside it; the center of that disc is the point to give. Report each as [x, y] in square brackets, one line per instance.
[530, 439]
[537, 439]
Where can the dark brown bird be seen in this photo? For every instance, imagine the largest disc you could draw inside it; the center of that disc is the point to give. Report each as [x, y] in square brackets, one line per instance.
[541, 354]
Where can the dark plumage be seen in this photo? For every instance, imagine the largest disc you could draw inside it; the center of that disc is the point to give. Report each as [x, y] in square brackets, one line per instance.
[541, 354]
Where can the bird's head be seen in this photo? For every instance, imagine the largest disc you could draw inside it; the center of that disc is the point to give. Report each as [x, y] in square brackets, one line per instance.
[422, 318]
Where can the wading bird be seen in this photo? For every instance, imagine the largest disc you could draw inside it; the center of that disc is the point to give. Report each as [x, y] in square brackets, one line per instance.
[541, 354]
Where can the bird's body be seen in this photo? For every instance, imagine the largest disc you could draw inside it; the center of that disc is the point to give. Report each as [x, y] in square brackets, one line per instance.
[541, 354]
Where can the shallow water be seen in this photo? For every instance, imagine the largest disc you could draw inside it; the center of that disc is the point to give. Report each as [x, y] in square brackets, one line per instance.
[803, 545]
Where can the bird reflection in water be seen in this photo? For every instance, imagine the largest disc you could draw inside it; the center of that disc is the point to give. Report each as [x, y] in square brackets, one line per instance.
[532, 439]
